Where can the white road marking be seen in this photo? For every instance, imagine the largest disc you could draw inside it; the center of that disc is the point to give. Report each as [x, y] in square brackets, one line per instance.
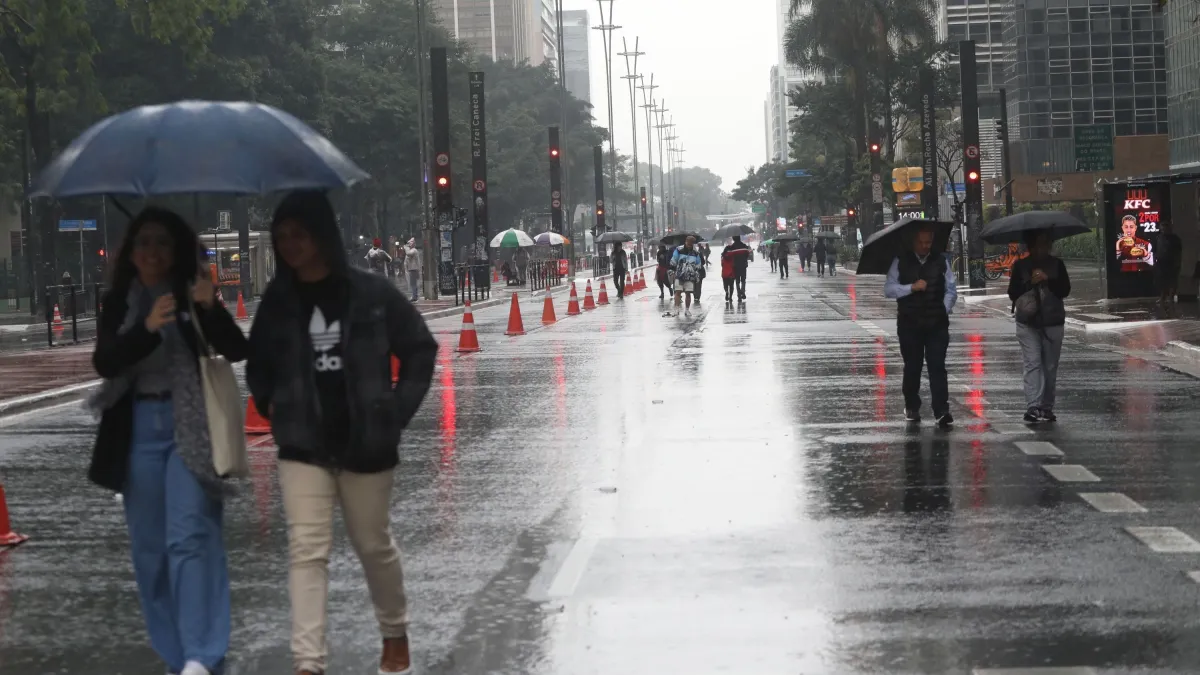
[1038, 448]
[573, 567]
[1070, 473]
[1112, 502]
[1194, 576]
[1165, 539]
[1074, 670]
[1010, 429]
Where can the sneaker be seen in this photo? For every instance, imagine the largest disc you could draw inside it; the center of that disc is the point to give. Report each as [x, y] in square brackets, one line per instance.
[911, 415]
[1048, 415]
[1033, 416]
[945, 420]
[687, 313]
[395, 659]
[194, 668]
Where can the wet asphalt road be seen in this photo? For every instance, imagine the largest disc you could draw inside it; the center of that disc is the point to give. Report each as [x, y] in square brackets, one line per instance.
[735, 493]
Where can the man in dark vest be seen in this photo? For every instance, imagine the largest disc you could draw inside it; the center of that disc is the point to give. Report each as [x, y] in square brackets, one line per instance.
[922, 285]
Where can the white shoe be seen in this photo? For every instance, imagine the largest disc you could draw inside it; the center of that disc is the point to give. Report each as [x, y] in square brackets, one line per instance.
[688, 313]
[194, 668]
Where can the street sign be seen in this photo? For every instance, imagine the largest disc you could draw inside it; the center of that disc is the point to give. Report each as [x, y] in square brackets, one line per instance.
[1094, 147]
[973, 151]
[877, 192]
[224, 220]
[555, 203]
[443, 159]
[758, 208]
[797, 173]
[480, 186]
[76, 225]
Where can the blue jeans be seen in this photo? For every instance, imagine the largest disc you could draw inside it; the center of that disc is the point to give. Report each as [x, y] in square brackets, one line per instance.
[178, 552]
[414, 285]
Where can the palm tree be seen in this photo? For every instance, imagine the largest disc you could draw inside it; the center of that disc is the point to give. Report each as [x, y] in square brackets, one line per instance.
[855, 40]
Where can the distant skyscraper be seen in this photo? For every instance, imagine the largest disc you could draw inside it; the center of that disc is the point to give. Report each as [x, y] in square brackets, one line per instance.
[499, 29]
[543, 32]
[576, 33]
[784, 78]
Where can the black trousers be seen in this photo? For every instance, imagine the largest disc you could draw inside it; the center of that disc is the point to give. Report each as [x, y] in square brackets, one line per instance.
[821, 265]
[783, 268]
[619, 283]
[925, 344]
[740, 278]
[728, 282]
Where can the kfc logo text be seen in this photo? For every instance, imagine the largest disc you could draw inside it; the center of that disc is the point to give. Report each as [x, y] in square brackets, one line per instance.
[1137, 200]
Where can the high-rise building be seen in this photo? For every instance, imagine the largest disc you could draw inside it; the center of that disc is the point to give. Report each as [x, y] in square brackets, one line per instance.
[784, 78]
[499, 29]
[1098, 63]
[577, 64]
[543, 32]
[1183, 84]
[983, 22]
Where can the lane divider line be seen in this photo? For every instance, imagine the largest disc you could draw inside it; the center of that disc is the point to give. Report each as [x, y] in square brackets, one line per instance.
[1165, 539]
[1039, 448]
[1112, 502]
[1070, 473]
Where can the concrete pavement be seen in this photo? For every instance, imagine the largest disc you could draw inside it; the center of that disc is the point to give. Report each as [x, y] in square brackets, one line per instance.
[737, 492]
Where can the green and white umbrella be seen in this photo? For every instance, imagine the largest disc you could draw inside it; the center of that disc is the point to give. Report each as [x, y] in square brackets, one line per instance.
[511, 238]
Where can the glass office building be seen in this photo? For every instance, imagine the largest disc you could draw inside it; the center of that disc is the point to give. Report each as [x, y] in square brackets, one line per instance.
[1183, 83]
[1082, 62]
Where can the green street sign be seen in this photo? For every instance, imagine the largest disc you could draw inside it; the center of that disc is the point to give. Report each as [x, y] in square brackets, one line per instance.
[1093, 147]
[758, 208]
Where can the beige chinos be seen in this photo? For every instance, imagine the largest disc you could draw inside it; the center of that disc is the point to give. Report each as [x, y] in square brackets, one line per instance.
[309, 495]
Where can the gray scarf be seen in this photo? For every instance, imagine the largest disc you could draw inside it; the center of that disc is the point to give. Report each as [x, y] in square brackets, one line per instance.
[192, 442]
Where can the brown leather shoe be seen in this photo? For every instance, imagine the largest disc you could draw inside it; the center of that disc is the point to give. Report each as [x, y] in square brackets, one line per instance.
[395, 659]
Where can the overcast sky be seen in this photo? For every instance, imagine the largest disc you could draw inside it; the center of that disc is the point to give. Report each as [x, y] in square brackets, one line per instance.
[712, 62]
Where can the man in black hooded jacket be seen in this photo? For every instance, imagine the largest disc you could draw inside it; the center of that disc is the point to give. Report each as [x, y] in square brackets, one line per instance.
[320, 371]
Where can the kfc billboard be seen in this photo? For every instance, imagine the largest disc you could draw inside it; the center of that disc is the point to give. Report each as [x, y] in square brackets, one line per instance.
[1134, 214]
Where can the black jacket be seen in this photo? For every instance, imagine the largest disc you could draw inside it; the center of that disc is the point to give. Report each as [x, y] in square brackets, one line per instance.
[116, 353]
[379, 322]
[1057, 280]
[741, 257]
[927, 308]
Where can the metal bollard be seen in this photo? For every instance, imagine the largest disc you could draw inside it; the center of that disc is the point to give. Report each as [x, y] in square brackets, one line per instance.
[74, 314]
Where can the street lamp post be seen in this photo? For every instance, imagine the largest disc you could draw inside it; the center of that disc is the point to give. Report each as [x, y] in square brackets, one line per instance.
[632, 76]
[563, 143]
[661, 113]
[606, 29]
[647, 90]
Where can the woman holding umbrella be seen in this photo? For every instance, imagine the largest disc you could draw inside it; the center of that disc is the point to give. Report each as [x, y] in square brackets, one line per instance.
[662, 274]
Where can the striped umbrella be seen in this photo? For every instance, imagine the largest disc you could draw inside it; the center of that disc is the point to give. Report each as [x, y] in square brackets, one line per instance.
[511, 238]
[550, 239]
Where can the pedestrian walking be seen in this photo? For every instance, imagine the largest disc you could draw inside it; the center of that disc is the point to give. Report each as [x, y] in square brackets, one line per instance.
[741, 263]
[822, 256]
[154, 447]
[1037, 286]
[727, 274]
[412, 267]
[619, 262]
[922, 285]
[831, 257]
[701, 275]
[771, 252]
[802, 254]
[782, 255]
[377, 258]
[687, 263]
[662, 273]
[319, 370]
[1168, 262]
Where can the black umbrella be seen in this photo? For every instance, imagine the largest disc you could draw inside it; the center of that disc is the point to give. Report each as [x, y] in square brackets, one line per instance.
[613, 238]
[1012, 229]
[678, 238]
[787, 237]
[828, 235]
[732, 230]
[882, 247]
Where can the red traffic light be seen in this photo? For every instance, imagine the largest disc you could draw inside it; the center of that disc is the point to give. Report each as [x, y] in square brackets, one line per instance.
[599, 212]
[874, 147]
[442, 181]
[554, 152]
[973, 176]
[851, 212]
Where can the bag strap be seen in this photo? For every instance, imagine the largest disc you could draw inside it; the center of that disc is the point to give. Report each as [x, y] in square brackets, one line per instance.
[201, 341]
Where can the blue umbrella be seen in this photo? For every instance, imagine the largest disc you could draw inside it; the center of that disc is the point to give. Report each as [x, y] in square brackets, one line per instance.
[196, 146]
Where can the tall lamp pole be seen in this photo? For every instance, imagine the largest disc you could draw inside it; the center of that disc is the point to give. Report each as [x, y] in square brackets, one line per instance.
[647, 90]
[679, 186]
[606, 29]
[632, 77]
[563, 143]
[661, 113]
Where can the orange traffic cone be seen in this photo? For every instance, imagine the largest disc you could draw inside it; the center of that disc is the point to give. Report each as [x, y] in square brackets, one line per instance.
[573, 303]
[588, 301]
[468, 341]
[630, 285]
[515, 325]
[641, 280]
[603, 299]
[241, 307]
[58, 322]
[7, 536]
[256, 424]
[548, 311]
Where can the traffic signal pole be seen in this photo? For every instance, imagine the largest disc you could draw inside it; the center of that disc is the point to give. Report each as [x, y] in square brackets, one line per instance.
[876, 190]
[556, 214]
[1007, 164]
[598, 163]
[444, 196]
[971, 163]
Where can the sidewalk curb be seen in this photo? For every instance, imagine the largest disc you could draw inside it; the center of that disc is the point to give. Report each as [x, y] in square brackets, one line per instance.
[1182, 350]
[32, 401]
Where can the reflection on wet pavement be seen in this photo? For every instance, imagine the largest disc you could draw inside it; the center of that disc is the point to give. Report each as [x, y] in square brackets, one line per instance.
[735, 492]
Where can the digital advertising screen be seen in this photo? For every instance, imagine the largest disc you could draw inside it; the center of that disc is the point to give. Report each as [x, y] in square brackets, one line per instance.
[1135, 215]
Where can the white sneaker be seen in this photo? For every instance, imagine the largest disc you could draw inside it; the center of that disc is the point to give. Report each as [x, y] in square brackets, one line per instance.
[687, 313]
[194, 668]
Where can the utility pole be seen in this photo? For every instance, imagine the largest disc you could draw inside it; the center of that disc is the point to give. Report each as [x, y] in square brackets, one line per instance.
[598, 162]
[876, 189]
[647, 90]
[971, 164]
[443, 175]
[428, 233]
[562, 118]
[606, 29]
[632, 76]
[556, 211]
[661, 114]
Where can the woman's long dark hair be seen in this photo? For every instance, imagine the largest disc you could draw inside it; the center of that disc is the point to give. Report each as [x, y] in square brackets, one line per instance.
[186, 248]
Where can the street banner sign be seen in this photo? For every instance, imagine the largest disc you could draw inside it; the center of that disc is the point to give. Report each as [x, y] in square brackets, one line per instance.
[1093, 147]
[76, 226]
[479, 163]
[797, 173]
[758, 208]
[928, 139]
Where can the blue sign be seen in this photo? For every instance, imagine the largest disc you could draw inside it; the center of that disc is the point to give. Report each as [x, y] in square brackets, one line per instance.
[797, 173]
[960, 188]
[76, 225]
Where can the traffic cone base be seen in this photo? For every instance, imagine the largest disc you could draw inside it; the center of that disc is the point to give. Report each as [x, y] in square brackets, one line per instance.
[573, 303]
[588, 301]
[241, 307]
[256, 424]
[468, 340]
[548, 311]
[515, 325]
[7, 536]
[58, 322]
[603, 298]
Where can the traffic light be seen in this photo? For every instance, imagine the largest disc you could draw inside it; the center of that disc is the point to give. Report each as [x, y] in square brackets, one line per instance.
[874, 148]
[1000, 130]
[556, 211]
[851, 217]
[441, 183]
[972, 176]
[101, 252]
[643, 196]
